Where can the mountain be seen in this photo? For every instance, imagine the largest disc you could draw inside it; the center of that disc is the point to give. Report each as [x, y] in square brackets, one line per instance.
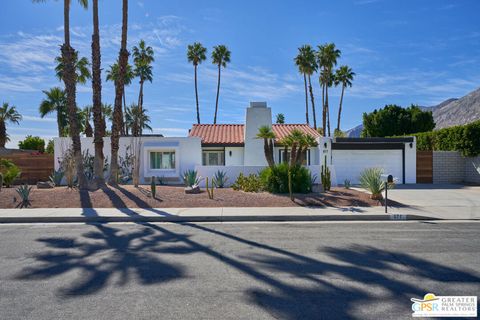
[451, 112]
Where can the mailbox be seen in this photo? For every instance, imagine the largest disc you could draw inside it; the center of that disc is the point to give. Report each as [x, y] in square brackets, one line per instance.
[389, 180]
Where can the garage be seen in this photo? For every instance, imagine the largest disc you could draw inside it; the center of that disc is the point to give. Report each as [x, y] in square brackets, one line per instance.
[350, 156]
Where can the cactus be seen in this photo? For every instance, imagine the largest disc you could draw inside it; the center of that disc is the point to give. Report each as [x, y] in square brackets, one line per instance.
[1, 181]
[153, 187]
[325, 176]
[209, 190]
[24, 193]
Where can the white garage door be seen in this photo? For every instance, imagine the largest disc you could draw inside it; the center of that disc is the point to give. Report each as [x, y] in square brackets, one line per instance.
[349, 164]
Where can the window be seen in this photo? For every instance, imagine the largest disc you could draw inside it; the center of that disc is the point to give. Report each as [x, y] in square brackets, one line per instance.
[213, 157]
[306, 160]
[162, 160]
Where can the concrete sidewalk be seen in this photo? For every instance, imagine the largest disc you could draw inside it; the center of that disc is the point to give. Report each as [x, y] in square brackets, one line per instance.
[205, 214]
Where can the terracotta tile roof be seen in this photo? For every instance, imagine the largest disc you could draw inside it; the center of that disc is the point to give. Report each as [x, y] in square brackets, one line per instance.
[233, 134]
[218, 133]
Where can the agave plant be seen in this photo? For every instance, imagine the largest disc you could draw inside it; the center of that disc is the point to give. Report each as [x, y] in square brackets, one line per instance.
[57, 177]
[371, 179]
[24, 193]
[191, 178]
[220, 179]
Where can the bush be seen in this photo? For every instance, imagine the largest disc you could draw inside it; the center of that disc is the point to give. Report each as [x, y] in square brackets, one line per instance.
[9, 171]
[191, 178]
[220, 179]
[251, 183]
[371, 179]
[32, 143]
[275, 179]
[465, 139]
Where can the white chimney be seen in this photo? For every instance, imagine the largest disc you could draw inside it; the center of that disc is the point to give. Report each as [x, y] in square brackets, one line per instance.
[257, 115]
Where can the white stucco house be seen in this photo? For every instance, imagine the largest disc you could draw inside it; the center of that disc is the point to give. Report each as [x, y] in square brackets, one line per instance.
[234, 148]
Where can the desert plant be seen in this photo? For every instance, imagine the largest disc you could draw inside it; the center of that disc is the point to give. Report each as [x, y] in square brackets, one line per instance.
[153, 187]
[24, 193]
[220, 179]
[161, 180]
[1, 181]
[347, 184]
[250, 183]
[326, 176]
[191, 178]
[371, 180]
[32, 143]
[126, 166]
[9, 171]
[209, 190]
[56, 177]
[67, 166]
[276, 179]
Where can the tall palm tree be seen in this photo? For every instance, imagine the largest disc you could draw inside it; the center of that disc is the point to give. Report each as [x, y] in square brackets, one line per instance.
[343, 76]
[266, 133]
[10, 114]
[55, 101]
[196, 53]
[81, 67]
[98, 121]
[70, 79]
[303, 61]
[112, 75]
[143, 58]
[137, 119]
[220, 57]
[327, 56]
[119, 89]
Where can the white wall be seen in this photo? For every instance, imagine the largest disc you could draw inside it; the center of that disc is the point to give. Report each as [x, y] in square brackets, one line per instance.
[257, 115]
[411, 162]
[236, 159]
[188, 152]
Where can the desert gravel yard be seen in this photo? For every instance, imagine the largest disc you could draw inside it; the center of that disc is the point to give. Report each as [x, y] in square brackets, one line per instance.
[174, 197]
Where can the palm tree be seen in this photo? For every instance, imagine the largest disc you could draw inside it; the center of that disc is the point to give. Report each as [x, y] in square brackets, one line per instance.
[143, 58]
[305, 61]
[119, 89]
[107, 112]
[196, 53]
[98, 120]
[280, 118]
[7, 114]
[81, 67]
[112, 75]
[55, 101]
[69, 77]
[137, 119]
[266, 133]
[220, 57]
[327, 56]
[344, 76]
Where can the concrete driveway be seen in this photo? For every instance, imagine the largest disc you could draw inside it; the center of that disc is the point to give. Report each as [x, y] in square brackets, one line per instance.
[447, 201]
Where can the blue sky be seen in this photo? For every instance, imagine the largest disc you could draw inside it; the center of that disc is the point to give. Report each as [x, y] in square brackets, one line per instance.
[403, 52]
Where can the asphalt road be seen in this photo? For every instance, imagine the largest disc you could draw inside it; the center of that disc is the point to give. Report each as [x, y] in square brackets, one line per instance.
[233, 271]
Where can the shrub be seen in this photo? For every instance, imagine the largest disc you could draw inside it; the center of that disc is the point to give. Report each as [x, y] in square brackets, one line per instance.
[24, 193]
[125, 172]
[50, 147]
[191, 178]
[465, 139]
[250, 183]
[371, 179]
[67, 166]
[220, 179]
[56, 177]
[9, 171]
[275, 179]
[347, 184]
[32, 143]
[1, 181]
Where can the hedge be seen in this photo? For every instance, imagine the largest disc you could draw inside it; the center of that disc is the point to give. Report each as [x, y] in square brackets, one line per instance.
[465, 139]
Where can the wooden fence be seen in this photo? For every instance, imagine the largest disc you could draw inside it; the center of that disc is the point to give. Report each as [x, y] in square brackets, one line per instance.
[35, 167]
[424, 166]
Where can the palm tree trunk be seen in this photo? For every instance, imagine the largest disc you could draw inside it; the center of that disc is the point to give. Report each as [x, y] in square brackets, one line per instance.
[59, 123]
[327, 109]
[69, 80]
[140, 106]
[306, 98]
[3, 134]
[218, 92]
[98, 121]
[285, 153]
[340, 108]
[124, 122]
[119, 89]
[196, 96]
[313, 103]
[293, 154]
[324, 113]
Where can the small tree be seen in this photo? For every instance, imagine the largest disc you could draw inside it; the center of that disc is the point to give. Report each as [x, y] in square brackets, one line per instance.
[280, 118]
[32, 143]
[266, 133]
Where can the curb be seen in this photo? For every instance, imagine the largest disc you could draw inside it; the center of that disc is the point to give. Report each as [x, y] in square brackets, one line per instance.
[242, 218]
